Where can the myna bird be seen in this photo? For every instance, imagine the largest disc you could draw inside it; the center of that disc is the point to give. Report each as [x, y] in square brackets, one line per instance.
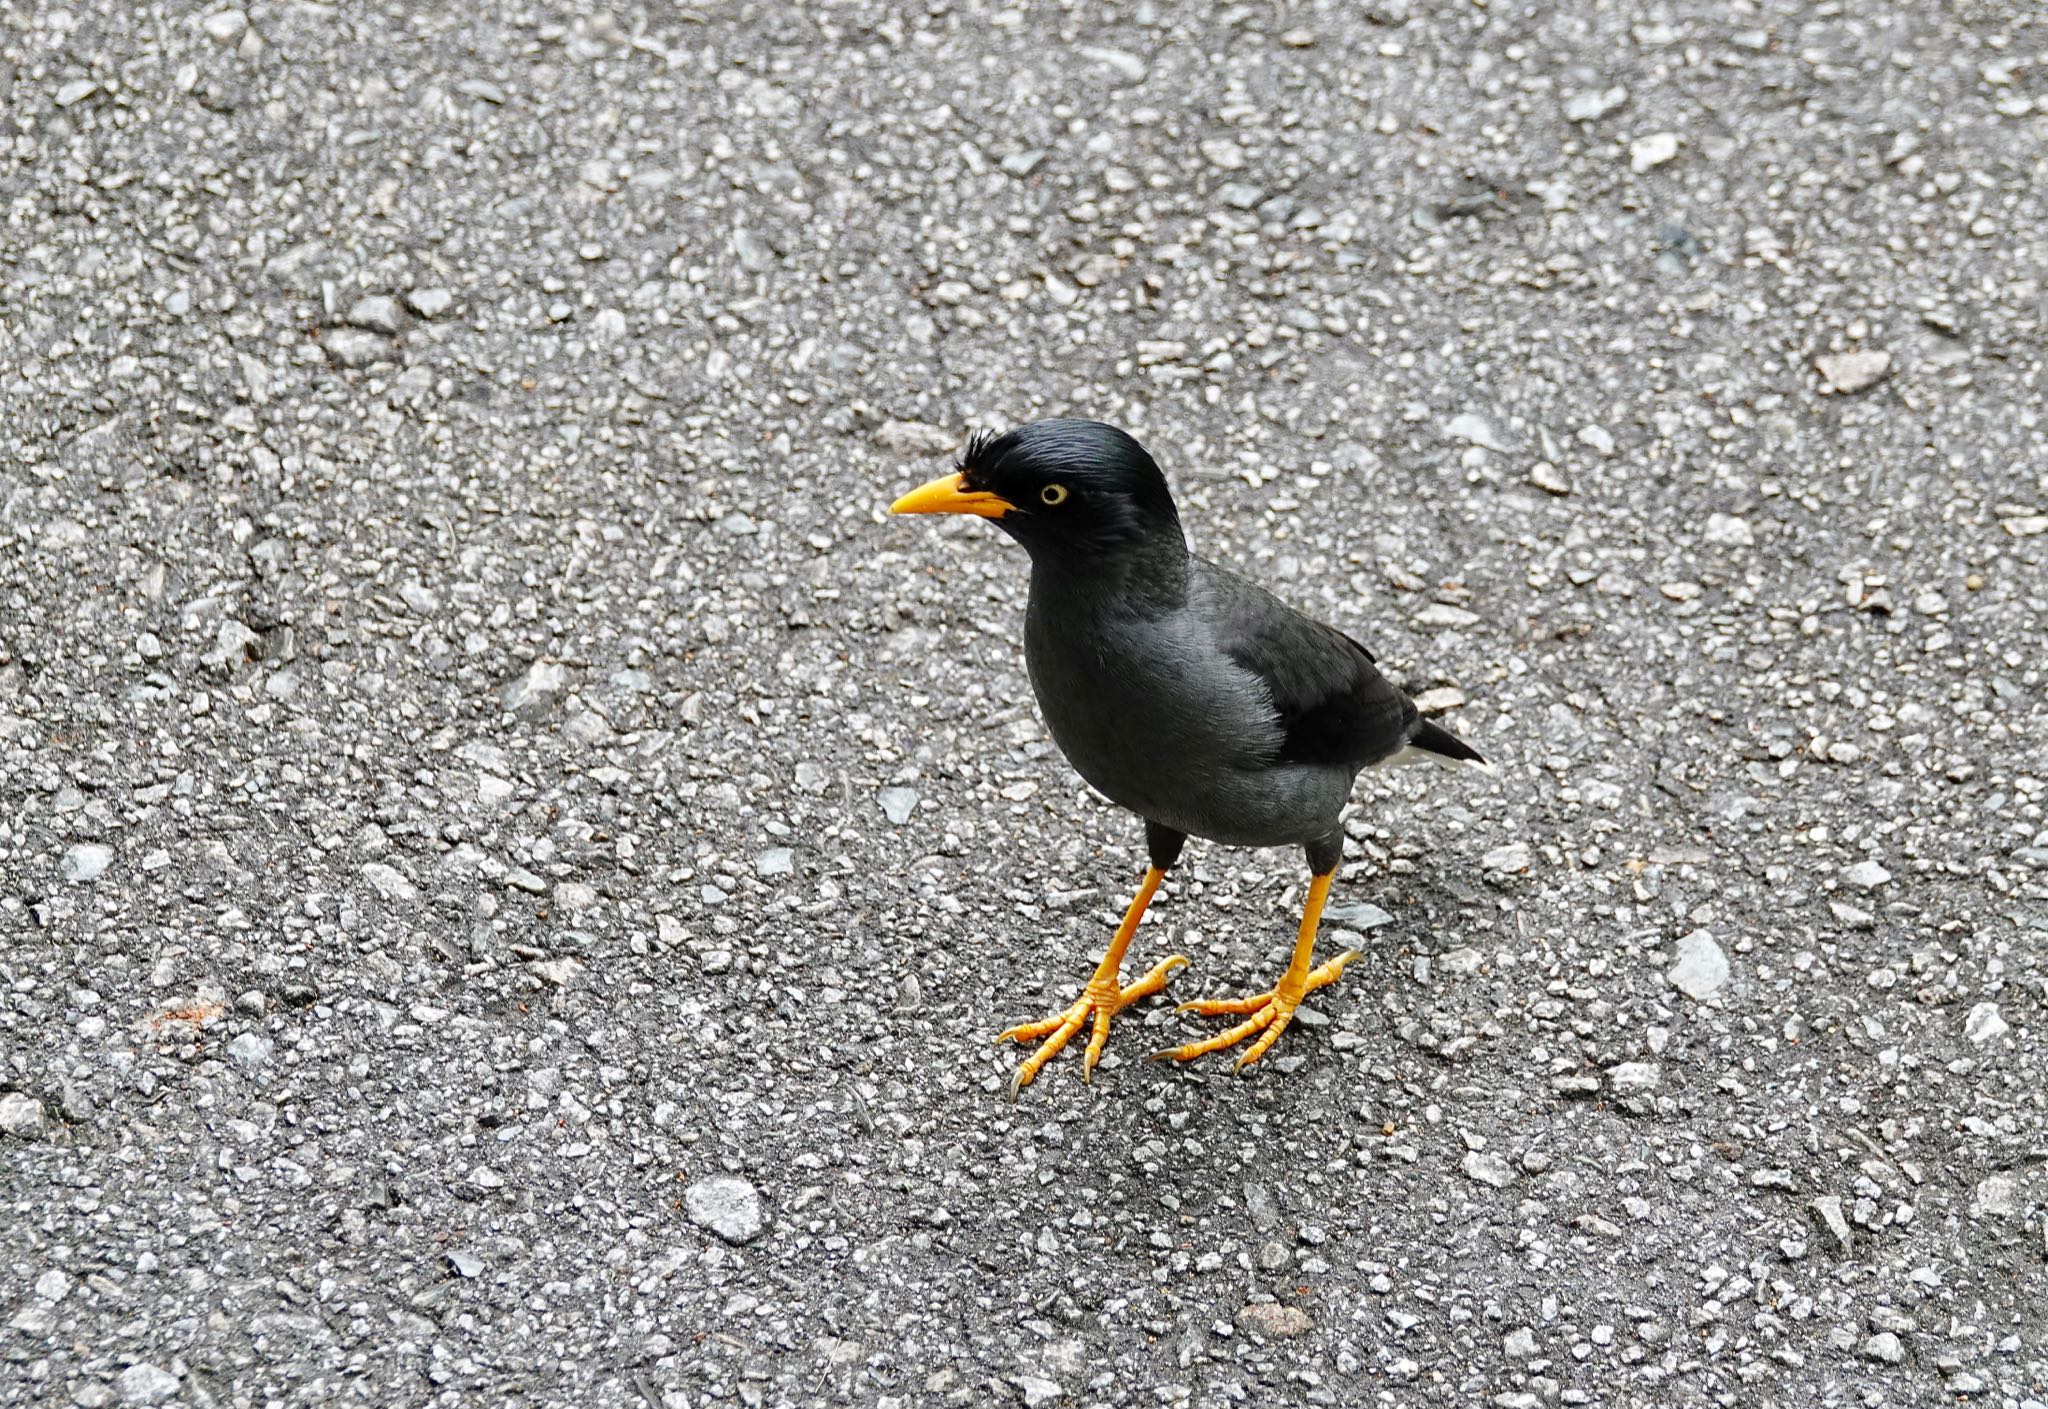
[1179, 690]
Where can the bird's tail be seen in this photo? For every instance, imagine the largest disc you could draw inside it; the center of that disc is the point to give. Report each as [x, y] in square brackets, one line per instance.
[1435, 744]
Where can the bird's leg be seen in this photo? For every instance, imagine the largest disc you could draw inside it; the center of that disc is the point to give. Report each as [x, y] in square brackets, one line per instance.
[1101, 1000]
[1270, 1012]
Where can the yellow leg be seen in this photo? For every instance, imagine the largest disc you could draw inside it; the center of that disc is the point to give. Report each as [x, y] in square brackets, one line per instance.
[1270, 1012]
[1101, 1000]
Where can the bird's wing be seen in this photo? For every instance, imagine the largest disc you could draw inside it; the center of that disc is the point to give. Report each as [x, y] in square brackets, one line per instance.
[1333, 704]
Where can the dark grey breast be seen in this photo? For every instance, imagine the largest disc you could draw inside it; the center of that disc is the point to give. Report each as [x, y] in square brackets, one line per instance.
[1216, 709]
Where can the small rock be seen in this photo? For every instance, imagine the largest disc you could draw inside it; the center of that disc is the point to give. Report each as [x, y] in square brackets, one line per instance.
[465, 1264]
[1127, 66]
[915, 438]
[1444, 697]
[1489, 1169]
[1545, 477]
[1652, 151]
[1635, 1076]
[1512, 858]
[1846, 372]
[1865, 875]
[1885, 1346]
[21, 1116]
[1594, 104]
[1038, 1391]
[485, 1177]
[898, 804]
[76, 91]
[727, 1207]
[1984, 1024]
[560, 972]
[1273, 1321]
[1359, 914]
[144, 1383]
[1519, 1344]
[1446, 616]
[389, 882]
[1997, 1196]
[1474, 430]
[251, 1049]
[1729, 531]
[1702, 967]
[379, 313]
[1222, 152]
[530, 695]
[430, 303]
[225, 26]
[355, 347]
[1827, 1215]
[85, 861]
[775, 861]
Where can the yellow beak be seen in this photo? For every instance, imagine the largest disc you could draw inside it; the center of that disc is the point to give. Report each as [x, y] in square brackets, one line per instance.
[949, 494]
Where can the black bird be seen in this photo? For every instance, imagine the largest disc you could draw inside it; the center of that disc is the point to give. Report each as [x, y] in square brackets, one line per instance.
[1179, 690]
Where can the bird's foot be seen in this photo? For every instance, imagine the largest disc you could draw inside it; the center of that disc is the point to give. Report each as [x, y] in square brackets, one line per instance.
[1267, 1014]
[1100, 1001]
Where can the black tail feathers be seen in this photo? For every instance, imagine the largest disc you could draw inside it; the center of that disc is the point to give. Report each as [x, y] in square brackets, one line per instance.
[1434, 738]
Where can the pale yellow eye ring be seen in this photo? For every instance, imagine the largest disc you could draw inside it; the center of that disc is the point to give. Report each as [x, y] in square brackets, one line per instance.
[1053, 495]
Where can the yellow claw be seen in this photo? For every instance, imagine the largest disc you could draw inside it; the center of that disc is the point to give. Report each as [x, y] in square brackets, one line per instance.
[1266, 1015]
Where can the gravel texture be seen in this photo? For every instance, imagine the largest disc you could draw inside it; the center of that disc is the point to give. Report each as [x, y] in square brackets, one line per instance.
[510, 862]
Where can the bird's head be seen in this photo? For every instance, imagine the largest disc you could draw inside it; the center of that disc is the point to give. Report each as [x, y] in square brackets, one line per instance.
[1064, 488]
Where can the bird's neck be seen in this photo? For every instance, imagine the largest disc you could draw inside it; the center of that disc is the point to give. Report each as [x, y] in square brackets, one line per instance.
[1149, 575]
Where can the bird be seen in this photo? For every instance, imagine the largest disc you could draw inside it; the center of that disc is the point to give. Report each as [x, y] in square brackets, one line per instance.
[1183, 693]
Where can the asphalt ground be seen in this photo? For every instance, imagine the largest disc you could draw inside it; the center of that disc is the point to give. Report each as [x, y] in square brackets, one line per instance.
[510, 862]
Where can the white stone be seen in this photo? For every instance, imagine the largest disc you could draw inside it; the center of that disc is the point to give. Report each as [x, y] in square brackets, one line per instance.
[727, 1207]
[147, 1384]
[1847, 372]
[1702, 968]
[85, 861]
[389, 882]
[1652, 151]
[21, 1116]
[1984, 1024]
[1635, 1076]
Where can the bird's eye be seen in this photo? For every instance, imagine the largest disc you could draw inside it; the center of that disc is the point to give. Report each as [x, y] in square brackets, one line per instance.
[1053, 495]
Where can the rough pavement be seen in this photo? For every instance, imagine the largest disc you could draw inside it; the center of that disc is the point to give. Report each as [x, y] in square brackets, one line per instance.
[510, 863]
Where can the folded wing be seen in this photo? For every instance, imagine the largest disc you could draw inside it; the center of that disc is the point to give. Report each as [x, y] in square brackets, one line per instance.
[1334, 706]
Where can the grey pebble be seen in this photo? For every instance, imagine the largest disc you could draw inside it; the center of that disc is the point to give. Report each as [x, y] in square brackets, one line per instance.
[534, 692]
[144, 1383]
[1865, 875]
[380, 313]
[1513, 858]
[430, 303]
[465, 1264]
[356, 347]
[390, 882]
[85, 862]
[21, 1115]
[1485, 1167]
[1702, 967]
[1274, 1321]
[1984, 1024]
[251, 1049]
[898, 804]
[1848, 372]
[1827, 1215]
[727, 1207]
